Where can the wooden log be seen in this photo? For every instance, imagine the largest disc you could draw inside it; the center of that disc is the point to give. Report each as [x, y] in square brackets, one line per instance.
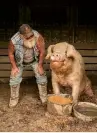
[5, 59]
[26, 73]
[88, 52]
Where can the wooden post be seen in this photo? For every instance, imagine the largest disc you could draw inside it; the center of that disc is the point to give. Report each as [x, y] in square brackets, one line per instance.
[73, 21]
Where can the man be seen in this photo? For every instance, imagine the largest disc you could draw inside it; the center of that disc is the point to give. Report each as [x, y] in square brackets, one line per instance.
[26, 48]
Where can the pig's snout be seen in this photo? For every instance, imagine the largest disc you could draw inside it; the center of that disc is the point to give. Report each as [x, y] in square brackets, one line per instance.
[52, 58]
[55, 57]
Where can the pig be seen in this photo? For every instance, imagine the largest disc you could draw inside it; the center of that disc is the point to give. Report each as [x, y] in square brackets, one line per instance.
[68, 70]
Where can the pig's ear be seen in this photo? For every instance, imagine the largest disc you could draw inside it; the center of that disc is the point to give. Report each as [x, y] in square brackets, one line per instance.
[71, 51]
[49, 51]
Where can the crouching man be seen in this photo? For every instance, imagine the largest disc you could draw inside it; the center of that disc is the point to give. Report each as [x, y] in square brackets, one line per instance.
[26, 48]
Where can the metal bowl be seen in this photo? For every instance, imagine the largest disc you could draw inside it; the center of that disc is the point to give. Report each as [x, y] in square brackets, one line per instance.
[85, 111]
[56, 104]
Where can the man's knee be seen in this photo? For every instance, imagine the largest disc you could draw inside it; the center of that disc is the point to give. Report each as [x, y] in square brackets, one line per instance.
[41, 79]
[15, 80]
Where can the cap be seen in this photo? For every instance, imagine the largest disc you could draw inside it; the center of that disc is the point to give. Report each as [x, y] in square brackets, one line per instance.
[26, 30]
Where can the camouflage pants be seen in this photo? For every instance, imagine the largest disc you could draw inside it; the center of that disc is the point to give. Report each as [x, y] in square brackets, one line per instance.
[40, 79]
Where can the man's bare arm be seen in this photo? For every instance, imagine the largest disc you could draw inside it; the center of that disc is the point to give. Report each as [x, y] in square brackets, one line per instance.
[41, 46]
[11, 51]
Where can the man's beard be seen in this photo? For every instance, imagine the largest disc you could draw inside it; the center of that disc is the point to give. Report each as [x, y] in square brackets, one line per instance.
[29, 44]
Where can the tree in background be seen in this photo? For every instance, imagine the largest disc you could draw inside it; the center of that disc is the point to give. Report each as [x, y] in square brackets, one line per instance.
[24, 14]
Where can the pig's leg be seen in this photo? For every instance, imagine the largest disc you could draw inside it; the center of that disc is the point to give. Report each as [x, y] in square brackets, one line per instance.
[89, 92]
[75, 93]
[88, 88]
[55, 85]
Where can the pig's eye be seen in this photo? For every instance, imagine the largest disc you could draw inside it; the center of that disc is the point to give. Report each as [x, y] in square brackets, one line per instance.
[57, 55]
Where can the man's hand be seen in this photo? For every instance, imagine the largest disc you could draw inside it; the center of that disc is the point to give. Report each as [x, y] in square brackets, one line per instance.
[14, 71]
[40, 70]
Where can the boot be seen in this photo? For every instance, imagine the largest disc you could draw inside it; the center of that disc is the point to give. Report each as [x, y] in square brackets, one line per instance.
[43, 93]
[14, 97]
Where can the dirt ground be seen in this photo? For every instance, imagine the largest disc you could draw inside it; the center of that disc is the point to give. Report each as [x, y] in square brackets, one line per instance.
[30, 116]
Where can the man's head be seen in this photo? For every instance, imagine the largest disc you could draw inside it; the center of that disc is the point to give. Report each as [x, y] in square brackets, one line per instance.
[27, 35]
[26, 31]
